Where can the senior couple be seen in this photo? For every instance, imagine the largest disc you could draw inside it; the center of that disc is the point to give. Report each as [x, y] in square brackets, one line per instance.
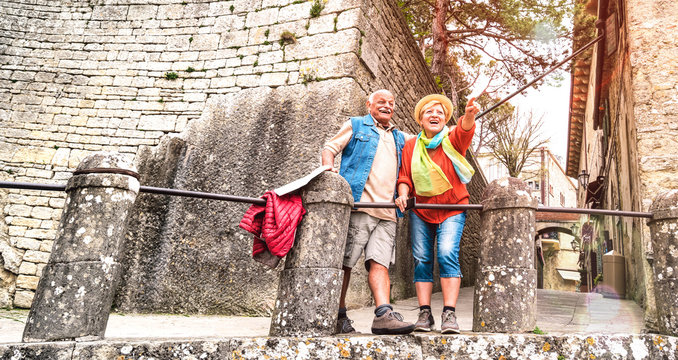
[381, 164]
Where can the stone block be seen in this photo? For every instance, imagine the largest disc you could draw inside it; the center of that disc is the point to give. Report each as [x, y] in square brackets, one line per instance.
[16, 230]
[20, 210]
[263, 17]
[303, 292]
[220, 83]
[41, 212]
[229, 22]
[28, 244]
[37, 155]
[11, 257]
[23, 299]
[322, 24]
[505, 300]
[295, 12]
[234, 39]
[28, 222]
[27, 282]
[60, 158]
[257, 36]
[341, 65]
[274, 79]
[247, 80]
[142, 12]
[46, 234]
[205, 42]
[36, 256]
[73, 302]
[157, 122]
[350, 18]
[28, 268]
[323, 45]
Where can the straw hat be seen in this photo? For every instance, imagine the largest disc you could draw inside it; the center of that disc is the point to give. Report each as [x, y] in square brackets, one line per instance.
[447, 105]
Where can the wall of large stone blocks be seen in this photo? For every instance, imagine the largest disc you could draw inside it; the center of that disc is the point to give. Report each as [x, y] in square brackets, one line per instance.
[78, 77]
[653, 42]
[636, 153]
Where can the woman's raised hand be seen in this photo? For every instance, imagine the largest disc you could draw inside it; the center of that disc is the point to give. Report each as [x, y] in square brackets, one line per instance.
[469, 117]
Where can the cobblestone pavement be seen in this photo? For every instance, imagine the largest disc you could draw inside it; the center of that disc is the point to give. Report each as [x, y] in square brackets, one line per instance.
[558, 312]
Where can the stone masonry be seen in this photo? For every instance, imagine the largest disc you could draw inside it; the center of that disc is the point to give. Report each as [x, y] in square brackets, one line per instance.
[78, 77]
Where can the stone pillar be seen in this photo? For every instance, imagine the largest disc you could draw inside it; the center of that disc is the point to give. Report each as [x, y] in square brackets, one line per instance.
[310, 284]
[74, 295]
[505, 298]
[664, 235]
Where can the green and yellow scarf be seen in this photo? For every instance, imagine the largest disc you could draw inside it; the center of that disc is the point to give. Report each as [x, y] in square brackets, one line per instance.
[428, 177]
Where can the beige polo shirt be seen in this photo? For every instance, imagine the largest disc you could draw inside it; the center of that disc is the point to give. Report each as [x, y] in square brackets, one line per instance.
[381, 181]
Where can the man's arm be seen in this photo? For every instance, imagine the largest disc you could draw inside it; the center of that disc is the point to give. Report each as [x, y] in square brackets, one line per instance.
[335, 145]
[328, 160]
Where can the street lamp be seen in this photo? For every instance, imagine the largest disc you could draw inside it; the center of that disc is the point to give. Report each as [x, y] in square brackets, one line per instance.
[583, 178]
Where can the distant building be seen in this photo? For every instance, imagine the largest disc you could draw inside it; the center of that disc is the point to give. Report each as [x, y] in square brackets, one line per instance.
[557, 261]
[542, 172]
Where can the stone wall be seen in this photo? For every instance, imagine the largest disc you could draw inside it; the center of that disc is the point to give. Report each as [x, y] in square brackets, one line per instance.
[418, 347]
[634, 148]
[243, 92]
[653, 44]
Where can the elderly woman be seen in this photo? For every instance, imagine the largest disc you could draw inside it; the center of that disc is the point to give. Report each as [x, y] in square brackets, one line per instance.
[435, 171]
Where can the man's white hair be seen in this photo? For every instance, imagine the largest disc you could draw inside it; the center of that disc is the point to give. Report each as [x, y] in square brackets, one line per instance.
[371, 98]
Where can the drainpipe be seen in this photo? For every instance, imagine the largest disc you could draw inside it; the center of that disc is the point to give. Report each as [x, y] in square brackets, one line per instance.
[543, 179]
[600, 58]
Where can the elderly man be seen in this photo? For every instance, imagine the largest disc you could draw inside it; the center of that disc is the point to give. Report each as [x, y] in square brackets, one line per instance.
[370, 148]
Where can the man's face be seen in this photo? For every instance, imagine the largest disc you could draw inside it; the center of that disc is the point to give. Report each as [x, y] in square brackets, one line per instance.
[381, 107]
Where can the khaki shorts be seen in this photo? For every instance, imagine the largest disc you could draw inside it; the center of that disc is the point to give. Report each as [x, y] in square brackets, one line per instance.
[373, 235]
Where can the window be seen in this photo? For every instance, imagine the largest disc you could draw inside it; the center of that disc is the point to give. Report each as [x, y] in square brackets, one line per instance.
[562, 200]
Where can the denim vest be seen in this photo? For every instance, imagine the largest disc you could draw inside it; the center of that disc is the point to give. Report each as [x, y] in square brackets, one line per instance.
[358, 155]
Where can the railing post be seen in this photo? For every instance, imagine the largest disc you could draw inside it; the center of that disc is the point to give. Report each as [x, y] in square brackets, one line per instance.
[664, 237]
[310, 284]
[75, 293]
[505, 298]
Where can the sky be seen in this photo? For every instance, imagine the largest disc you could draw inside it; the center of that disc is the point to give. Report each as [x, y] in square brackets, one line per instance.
[553, 102]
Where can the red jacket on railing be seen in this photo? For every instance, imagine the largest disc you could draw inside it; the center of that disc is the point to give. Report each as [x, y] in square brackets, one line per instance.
[274, 226]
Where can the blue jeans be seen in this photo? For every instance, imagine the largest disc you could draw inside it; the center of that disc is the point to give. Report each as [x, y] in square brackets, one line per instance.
[448, 234]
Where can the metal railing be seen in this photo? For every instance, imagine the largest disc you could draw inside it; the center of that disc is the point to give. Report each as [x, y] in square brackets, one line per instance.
[363, 205]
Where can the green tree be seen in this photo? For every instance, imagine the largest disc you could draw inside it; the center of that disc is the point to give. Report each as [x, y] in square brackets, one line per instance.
[502, 41]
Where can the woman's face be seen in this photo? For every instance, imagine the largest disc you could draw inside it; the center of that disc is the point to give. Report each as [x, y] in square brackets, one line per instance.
[433, 120]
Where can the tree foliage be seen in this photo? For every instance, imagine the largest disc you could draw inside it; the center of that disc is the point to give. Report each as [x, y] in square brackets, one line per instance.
[503, 42]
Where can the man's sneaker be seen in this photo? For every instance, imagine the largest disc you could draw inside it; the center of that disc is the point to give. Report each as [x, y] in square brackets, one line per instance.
[425, 321]
[344, 326]
[391, 323]
[449, 325]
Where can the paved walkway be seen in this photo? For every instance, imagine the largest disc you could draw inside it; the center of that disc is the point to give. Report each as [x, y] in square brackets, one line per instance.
[558, 313]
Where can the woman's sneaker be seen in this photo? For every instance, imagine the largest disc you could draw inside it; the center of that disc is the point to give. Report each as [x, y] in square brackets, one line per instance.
[425, 321]
[344, 326]
[449, 325]
[391, 323]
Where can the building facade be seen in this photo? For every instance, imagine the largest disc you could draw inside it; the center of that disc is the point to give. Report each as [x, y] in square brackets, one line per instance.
[622, 131]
